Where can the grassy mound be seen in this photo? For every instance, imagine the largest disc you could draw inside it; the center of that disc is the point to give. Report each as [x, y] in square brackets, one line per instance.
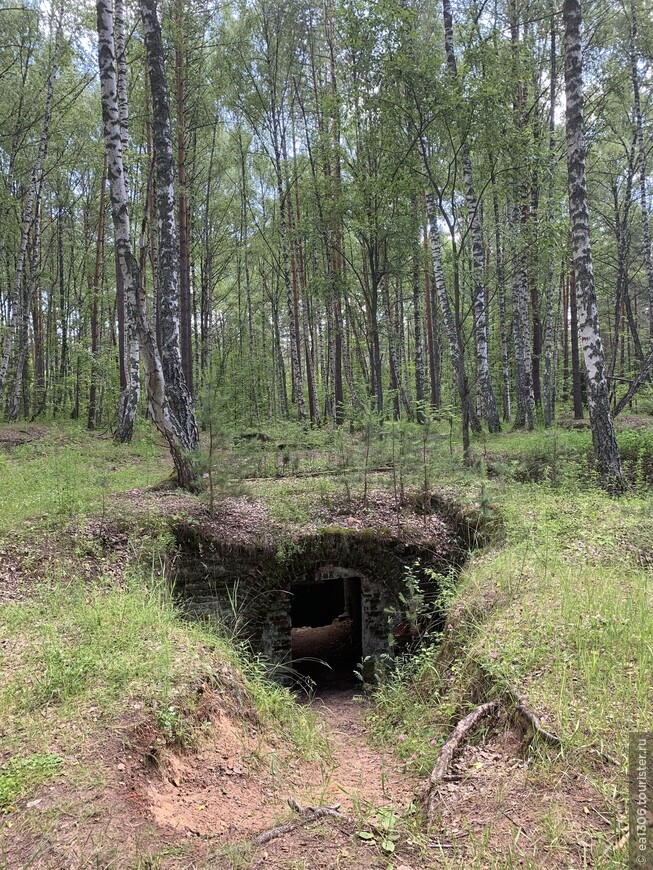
[561, 611]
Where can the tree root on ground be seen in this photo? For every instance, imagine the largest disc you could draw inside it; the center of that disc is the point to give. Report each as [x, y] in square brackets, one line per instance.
[529, 716]
[308, 814]
[439, 774]
[445, 757]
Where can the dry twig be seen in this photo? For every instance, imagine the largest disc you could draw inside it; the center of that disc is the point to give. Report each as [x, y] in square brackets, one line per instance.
[308, 814]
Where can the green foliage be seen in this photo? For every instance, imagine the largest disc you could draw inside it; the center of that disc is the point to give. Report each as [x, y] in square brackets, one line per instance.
[19, 776]
[636, 450]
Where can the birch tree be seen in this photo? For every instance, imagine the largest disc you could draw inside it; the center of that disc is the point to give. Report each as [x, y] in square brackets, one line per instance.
[181, 405]
[486, 394]
[130, 349]
[603, 436]
[164, 418]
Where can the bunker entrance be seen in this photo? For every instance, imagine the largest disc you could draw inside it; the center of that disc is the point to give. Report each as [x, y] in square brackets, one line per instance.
[326, 628]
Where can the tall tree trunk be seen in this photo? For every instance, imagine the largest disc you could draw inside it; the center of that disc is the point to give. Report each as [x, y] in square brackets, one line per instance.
[564, 289]
[63, 312]
[641, 162]
[550, 283]
[30, 208]
[521, 325]
[336, 237]
[519, 214]
[605, 442]
[376, 370]
[432, 335]
[417, 314]
[128, 341]
[38, 399]
[621, 230]
[400, 396]
[280, 365]
[180, 400]
[29, 294]
[488, 402]
[501, 293]
[576, 385]
[184, 232]
[95, 296]
[156, 387]
[455, 345]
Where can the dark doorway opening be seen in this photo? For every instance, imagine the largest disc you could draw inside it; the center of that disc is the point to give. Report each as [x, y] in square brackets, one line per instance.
[326, 632]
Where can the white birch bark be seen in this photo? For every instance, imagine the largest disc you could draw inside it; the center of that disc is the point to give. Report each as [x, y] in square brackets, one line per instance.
[26, 307]
[489, 410]
[130, 396]
[457, 359]
[521, 327]
[501, 292]
[181, 405]
[417, 315]
[128, 265]
[605, 443]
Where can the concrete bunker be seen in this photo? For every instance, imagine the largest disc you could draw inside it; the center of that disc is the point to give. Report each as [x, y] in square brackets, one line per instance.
[336, 595]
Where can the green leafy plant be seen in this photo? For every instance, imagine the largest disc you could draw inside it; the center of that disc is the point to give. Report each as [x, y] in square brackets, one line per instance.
[21, 775]
[383, 829]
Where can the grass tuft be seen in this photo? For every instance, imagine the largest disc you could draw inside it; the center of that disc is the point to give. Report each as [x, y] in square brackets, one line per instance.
[19, 776]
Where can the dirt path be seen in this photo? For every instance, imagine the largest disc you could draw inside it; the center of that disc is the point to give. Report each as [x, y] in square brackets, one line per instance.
[363, 774]
[229, 792]
[364, 780]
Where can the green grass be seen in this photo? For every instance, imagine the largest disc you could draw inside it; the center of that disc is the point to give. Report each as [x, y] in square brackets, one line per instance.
[68, 472]
[559, 607]
[75, 648]
[19, 776]
[573, 623]
[72, 643]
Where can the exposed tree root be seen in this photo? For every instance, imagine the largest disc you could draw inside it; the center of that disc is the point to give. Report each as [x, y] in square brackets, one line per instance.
[528, 715]
[439, 774]
[308, 814]
[447, 752]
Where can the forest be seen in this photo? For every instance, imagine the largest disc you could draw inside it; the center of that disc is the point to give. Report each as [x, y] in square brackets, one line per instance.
[333, 212]
[326, 440]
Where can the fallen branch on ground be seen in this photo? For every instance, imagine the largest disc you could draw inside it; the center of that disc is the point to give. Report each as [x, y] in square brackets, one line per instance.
[308, 814]
[447, 752]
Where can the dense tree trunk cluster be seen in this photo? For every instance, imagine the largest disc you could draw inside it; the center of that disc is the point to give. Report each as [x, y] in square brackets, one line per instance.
[330, 212]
